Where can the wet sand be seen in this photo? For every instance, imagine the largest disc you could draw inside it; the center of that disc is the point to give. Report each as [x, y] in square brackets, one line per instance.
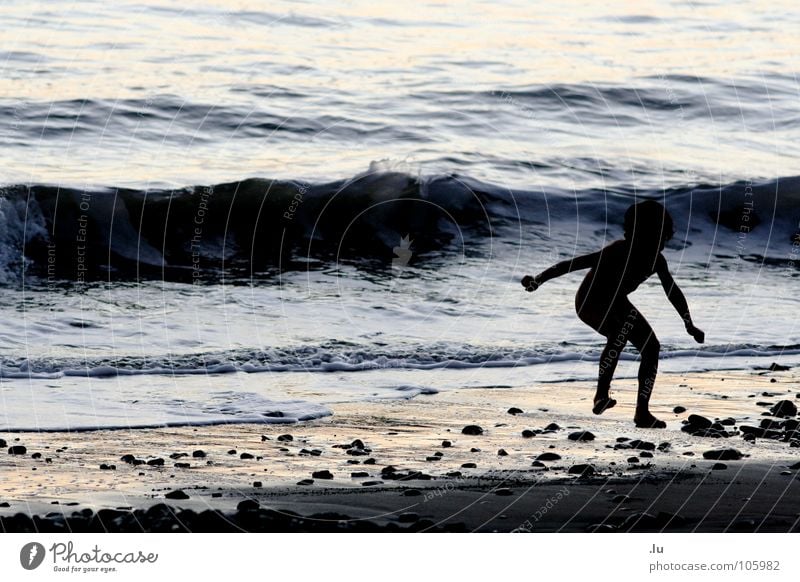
[408, 465]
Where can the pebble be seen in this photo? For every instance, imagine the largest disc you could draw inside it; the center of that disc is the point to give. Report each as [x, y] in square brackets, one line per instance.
[514, 410]
[371, 483]
[234, 451]
[36, 456]
[306, 482]
[472, 429]
[177, 494]
[538, 464]
[633, 459]
[583, 436]
[17, 450]
[246, 456]
[474, 450]
[357, 444]
[552, 426]
[719, 467]
[370, 461]
[549, 457]
[723, 455]
[642, 445]
[412, 493]
[175, 456]
[257, 484]
[699, 421]
[527, 433]
[3, 443]
[432, 458]
[264, 438]
[324, 474]
[198, 454]
[182, 465]
[447, 444]
[359, 474]
[105, 467]
[679, 409]
[285, 438]
[583, 470]
[159, 462]
[469, 466]
[248, 505]
[502, 453]
[784, 408]
[646, 455]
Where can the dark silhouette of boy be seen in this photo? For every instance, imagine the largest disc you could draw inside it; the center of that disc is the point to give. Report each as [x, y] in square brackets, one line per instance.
[602, 300]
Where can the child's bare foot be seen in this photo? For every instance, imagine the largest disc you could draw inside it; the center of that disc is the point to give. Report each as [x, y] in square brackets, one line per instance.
[602, 404]
[647, 420]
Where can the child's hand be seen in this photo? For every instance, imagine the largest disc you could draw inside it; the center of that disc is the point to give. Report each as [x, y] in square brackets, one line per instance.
[698, 334]
[530, 283]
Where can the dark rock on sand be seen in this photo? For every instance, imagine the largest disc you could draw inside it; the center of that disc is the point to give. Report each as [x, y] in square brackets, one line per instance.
[176, 456]
[284, 438]
[469, 466]
[549, 457]
[357, 444]
[359, 474]
[472, 429]
[324, 474]
[159, 462]
[502, 453]
[679, 410]
[646, 455]
[17, 450]
[664, 447]
[246, 456]
[642, 445]
[447, 444]
[514, 410]
[3, 443]
[784, 408]
[248, 505]
[105, 467]
[538, 464]
[36, 456]
[527, 433]
[775, 367]
[698, 422]
[177, 494]
[370, 461]
[182, 465]
[198, 454]
[433, 459]
[583, 435]
[584, 470]
[552, 427]
[306, 482]
[371, 483]
[412, 493]
[728, 421]
[633, 459]
[234, 451]
[723, 455]
[474, 450]
[719, 467]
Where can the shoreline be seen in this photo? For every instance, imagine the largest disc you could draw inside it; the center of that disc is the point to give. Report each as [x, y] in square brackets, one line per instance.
[396, 465]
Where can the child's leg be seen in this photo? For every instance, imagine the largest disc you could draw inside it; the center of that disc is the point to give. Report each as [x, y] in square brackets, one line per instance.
[642, 336]
[610, 322]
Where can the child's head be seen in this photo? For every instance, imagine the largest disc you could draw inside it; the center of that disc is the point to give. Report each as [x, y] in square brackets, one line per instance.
[648, 222]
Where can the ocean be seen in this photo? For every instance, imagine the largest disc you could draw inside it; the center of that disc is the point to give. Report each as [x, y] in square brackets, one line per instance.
[250, 212]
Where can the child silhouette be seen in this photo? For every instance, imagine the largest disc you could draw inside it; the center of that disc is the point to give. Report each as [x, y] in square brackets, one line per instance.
[602, 300]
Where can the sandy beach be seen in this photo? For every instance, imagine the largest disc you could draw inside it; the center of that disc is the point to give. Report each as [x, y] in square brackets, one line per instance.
[532, 459]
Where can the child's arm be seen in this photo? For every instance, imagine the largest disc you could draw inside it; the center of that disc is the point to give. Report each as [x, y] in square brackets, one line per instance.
[562, 268]
[675, 296]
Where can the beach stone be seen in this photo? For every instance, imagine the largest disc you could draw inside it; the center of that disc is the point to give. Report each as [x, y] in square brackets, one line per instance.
[723, 455]
[36, 456]
[697, 421]
[246, 456]
[583, 436]
[622, 439]
[198, 454]
[324, 474]
[719, 467]
[549, 457]
[412, 493]
[538, 464]
[159, 462]
[370, 461]
[408, 517]
[359, 474]
[679, 410]
[664, 447]
[514, 410]
[642, 445]
[371, 483]
[285, 438]
[105, 467]
[784, 408]
[775, 367]
[454, 474]
[17, 450]
[584, 470]
[728, 421]
[633, 459]
[433, 458]
[306, 482]
[182, 465]
[472, 429]
[3, 443]
[646, 455]
[469, 466]
[502, 453]
[234, 451]
[474, 450]
[552, 426]
[503, 492]
[264, 438]
[248, 505]
[177, 494]
[357, 444]
[447, 444]
[176, 456]
[527, 433]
